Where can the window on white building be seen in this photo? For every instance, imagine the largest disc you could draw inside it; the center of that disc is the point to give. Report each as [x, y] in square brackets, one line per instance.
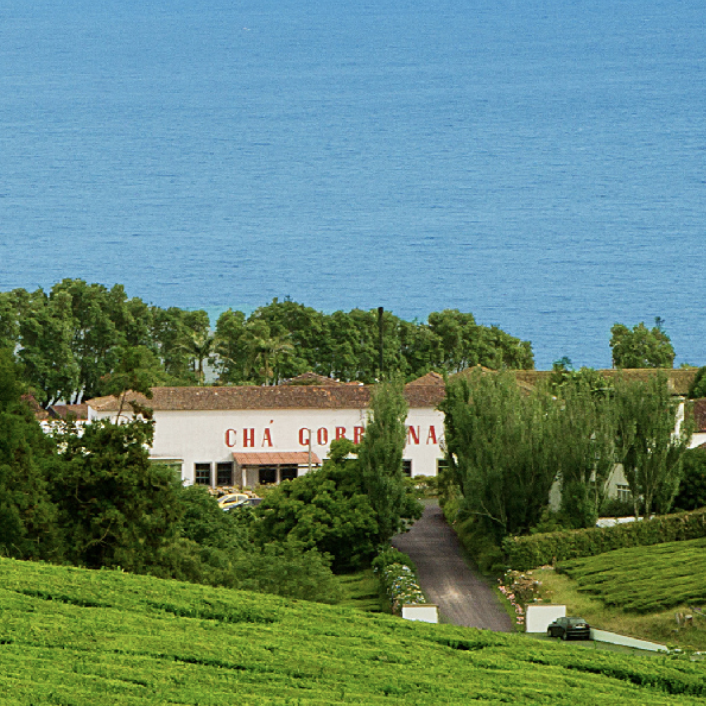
[224, 473]
[288, 472]
[268, 474]
[407, 468]
[624, 494]
[202, 473]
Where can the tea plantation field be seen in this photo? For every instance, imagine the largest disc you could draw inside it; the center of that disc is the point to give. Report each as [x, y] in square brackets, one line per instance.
[645, 579]
[75, 637]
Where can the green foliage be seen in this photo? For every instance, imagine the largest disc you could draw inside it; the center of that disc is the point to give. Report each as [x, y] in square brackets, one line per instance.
[582, 437]
[399, 580]
[529, 552]
[363, 591]
[698, 387]
[692, 488]
[117, 508]
[645, 579]
[641, 347]
[498, 451]
[380, 457]
[72, 338]
[327, 509]
[647, 446]
[85, 638]
[27, 514]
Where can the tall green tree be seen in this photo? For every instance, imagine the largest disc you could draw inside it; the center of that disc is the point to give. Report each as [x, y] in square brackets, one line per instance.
[46, 337]
[641, 347]
[27, 514]
[582, 433]
[116, 507]
[648, 445]
[499, 450]
[380, 454]
[230, 348]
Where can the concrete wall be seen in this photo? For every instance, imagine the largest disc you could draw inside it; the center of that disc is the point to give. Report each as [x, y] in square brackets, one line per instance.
[615, 639]
[426, 613]
[539, 617]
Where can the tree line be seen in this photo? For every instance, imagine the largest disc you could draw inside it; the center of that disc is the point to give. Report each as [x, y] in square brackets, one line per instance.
[507, 446]
[69, 339]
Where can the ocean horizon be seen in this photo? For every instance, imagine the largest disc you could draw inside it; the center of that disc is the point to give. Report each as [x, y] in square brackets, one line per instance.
[539, 165]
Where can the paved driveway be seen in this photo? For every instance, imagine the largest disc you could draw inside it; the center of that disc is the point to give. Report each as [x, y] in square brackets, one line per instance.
[462, 594]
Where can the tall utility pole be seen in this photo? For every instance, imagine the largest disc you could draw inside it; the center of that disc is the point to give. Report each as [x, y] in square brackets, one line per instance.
[380, 327]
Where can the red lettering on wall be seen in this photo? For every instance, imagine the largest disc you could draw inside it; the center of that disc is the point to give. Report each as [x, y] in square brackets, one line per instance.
[304, 434]
[431, 436]
[340, 433]
[248, 437]
[230, 438]
[413, 435]
[358, 434]
[266, 438]
[322, 436]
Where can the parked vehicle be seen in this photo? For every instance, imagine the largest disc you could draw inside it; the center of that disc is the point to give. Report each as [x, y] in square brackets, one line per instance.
[247, 502]
[570, 629]
[227, 501]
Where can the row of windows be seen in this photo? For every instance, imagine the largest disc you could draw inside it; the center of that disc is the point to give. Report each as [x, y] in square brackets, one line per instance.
[203, 473]
[224, 474]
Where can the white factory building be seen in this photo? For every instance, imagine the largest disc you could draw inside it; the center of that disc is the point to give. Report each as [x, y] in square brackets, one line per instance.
[248, 435]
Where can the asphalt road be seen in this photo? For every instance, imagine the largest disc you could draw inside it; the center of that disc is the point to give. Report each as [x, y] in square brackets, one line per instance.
[462, 594]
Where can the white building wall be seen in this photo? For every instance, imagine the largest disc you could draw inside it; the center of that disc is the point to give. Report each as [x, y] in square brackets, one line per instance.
[213, 436]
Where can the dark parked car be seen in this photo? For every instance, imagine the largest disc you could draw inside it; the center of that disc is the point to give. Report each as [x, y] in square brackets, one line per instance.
[570, 629]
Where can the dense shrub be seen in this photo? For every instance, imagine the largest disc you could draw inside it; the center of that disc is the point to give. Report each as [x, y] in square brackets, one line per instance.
[536, 550]
[398, 577]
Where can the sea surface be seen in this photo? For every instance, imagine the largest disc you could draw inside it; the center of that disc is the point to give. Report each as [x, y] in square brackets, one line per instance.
[540, 164]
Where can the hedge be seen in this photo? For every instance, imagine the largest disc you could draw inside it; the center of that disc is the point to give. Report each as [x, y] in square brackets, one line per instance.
[528, 552]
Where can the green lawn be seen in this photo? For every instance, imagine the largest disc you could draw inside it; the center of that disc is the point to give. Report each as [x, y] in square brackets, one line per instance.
[79, 638]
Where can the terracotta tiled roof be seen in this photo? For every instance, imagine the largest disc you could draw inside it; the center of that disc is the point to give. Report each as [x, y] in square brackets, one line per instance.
[678, 380]
[431, 378]
[40, 414]
[75, 411]
[275, 458]
[272, 397]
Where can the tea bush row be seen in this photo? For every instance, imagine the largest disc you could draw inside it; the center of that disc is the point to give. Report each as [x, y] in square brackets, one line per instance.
[126, 651]
[529, 552]
[645, 579]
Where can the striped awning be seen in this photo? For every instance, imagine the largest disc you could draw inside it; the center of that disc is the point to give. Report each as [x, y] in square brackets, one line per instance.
[275, 458]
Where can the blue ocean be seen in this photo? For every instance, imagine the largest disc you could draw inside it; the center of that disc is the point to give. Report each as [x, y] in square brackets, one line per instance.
[540, 164]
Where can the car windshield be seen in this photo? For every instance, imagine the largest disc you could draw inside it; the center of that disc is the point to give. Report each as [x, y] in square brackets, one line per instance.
[575, 621]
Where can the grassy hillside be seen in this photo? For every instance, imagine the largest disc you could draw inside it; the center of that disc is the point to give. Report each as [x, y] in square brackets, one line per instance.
[73, 637]
[645, 579]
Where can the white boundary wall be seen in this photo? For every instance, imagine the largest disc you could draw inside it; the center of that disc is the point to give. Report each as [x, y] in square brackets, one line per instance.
[426, 613]
[539, 617]
[615, 639]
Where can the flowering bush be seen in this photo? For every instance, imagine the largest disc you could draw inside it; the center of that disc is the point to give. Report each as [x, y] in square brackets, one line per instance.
[520, 589]
[398, 577]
